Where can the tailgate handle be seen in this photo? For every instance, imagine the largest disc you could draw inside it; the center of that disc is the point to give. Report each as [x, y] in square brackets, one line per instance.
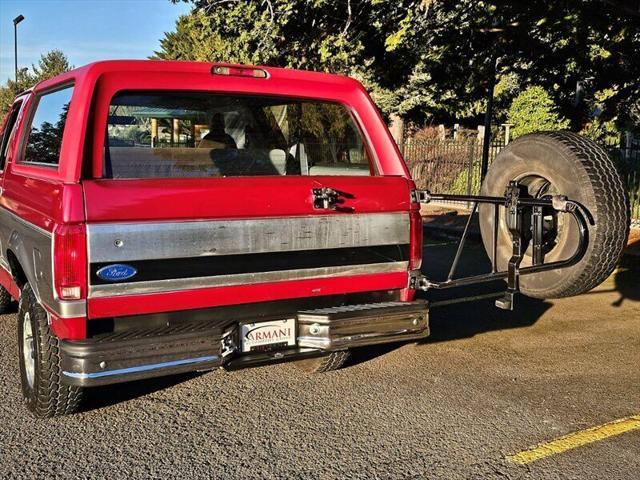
[325, 198]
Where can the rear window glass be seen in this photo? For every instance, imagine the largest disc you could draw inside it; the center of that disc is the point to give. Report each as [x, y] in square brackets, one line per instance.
[160, 135]
[47, 127]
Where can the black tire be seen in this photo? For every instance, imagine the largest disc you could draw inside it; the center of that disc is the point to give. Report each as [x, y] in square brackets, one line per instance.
[44, 393]
[6, 302]
[330, 362]
[567, 164]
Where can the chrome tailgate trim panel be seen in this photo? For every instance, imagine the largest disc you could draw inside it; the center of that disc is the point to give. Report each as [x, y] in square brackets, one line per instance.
[122, 242]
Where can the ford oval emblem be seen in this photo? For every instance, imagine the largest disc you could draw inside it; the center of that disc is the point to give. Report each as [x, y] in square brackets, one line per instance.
[116, 272]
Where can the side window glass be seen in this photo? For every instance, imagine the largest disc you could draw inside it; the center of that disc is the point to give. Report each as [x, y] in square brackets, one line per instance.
[6, 134]
[47, 127]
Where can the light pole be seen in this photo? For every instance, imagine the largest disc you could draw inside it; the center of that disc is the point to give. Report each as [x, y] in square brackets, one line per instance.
[16, 21]
[499, 30]
[486, 140]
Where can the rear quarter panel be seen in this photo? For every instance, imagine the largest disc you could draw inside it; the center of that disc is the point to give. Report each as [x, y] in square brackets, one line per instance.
[34, 199]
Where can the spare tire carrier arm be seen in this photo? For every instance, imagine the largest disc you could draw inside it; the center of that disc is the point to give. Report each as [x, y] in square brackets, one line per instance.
[524, 220]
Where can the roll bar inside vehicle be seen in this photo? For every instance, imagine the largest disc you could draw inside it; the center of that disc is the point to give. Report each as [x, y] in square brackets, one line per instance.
[524, 221]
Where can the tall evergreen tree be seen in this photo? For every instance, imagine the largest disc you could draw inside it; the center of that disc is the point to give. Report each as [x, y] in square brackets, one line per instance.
[50, 64]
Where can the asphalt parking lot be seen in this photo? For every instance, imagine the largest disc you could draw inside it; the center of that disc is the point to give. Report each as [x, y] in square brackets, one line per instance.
[487, 384]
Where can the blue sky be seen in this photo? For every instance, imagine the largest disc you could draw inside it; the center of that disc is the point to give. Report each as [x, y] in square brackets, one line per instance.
[86, 30]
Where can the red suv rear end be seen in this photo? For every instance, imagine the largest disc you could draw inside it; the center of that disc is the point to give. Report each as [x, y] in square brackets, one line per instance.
[160, 217]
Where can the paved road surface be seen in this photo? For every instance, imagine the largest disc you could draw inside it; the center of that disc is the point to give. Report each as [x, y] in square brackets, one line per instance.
[486, 384]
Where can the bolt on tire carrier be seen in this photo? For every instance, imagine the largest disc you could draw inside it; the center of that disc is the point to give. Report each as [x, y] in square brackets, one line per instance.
[524, 220]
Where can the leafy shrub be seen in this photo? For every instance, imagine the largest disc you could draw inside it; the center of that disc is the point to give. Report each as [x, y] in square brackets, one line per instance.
[461, 184]
[533, 110]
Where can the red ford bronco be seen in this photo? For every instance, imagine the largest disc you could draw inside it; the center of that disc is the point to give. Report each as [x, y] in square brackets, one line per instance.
[164, 217]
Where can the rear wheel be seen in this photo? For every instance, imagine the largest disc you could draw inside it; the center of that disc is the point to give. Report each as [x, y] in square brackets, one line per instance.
[332, 361]
[39, 357]
[561, 163]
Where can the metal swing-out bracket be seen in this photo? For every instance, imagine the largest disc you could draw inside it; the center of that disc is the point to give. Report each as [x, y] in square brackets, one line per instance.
[524, 220]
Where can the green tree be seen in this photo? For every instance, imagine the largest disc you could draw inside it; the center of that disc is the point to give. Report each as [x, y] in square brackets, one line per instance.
[53, 63]
[370, 40]
[50, 64]
[533, 110]
[429, 60]
[557, 45]
[11, 88]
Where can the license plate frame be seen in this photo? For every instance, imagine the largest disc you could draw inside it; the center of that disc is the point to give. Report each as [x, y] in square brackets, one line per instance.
[268, 335]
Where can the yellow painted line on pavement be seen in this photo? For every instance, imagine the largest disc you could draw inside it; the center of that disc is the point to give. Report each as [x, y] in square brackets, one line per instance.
[576, 439]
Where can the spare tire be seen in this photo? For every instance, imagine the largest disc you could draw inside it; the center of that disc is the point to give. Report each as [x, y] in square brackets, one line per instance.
[561, 163]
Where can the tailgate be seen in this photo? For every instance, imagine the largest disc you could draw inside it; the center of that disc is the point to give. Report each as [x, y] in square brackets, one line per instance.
[210, 198]
[173, 244]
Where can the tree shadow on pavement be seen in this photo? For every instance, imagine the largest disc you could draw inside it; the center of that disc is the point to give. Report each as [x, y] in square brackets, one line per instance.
[626, 280]
[627, 283]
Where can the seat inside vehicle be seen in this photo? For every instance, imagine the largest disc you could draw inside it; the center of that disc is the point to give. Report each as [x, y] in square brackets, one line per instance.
[165, 135]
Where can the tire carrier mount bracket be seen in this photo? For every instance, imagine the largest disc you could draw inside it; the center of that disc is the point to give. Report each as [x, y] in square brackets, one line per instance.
[524, 219]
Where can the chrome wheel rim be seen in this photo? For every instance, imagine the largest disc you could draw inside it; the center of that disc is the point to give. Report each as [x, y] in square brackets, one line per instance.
[28, 350]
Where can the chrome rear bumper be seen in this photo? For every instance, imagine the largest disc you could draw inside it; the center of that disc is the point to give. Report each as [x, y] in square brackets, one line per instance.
[134, 355]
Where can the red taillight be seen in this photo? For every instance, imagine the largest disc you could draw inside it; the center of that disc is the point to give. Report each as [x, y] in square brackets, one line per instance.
[70, 261]
[415, 248]
[239, 71]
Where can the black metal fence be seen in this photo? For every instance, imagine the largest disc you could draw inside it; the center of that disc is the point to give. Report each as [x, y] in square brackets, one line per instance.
[447, 166]
[453, 166]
